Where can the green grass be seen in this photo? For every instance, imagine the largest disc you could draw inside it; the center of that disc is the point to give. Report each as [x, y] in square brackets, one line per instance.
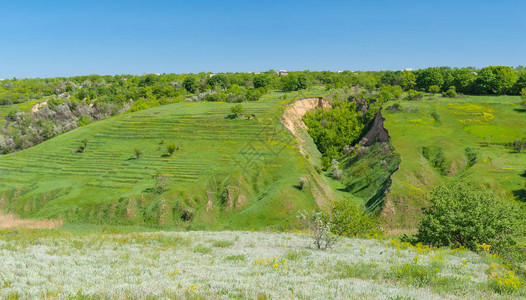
[227, 173]
[470, 133]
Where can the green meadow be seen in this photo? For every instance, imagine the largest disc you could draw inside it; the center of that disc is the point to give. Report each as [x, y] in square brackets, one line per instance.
[468, 138]
[225, 173]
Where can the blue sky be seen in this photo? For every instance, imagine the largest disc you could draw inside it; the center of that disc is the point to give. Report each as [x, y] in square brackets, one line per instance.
[66, 38]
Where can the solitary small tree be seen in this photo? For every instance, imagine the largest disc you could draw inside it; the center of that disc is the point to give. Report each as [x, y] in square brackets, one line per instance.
[237, 110]
[451, 92]
[320, 230]
[523, 96]
[82, 146]
[137, 151]
[161, 181]
[171, 149]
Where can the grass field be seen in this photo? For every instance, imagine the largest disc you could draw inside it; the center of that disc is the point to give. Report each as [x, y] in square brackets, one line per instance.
[73, 264]
[233, 173]
[444, 139]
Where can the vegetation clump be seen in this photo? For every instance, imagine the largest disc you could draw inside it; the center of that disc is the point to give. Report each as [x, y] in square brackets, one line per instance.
[319, 229]
[460, 215]
[237, 110]
[348, 219]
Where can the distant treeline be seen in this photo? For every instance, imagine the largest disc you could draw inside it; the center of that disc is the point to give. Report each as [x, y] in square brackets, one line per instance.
[158, 88]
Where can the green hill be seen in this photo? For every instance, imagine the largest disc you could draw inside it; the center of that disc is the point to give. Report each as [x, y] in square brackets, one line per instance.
[226, 172]
[245, 172]
[442, 139]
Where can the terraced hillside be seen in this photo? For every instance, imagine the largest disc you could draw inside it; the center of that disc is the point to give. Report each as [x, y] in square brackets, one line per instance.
[225, 172]
[444, 139]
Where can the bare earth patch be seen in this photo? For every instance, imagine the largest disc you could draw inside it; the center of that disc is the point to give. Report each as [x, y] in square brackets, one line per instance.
[10, 221]
[293, 113]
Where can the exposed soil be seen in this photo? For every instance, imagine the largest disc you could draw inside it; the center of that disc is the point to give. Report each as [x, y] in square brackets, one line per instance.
[37, 106]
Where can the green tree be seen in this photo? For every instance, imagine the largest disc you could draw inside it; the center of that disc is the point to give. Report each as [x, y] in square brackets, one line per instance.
[384, 94]
[428, 77]
[496, 80]
[190, 84]
[218, 81]
[433, 89]
[237, 110]
[461, 215]
[463, 80]
[451, 92]
[408, 80]
[294, 82]
[523, 96]
[262, 80]
[171, 149]
[332, 129]
[397, 91]
[82, 146]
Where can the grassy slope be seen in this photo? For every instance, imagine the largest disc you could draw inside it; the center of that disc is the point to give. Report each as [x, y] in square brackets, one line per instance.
[256, 159]
[236, 265]
[468, 122]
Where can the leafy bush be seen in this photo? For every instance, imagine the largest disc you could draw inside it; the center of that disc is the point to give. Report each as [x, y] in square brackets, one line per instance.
[171, 149]
[461, 215]
[434, 89]
[451, 92]
[414, 95]
[190, 84]
[237, 110]
[319, 228]
[303, 182]
[347, 219]
[82, 146]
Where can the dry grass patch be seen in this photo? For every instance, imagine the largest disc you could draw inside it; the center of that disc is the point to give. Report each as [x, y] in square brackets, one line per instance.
[10, 221]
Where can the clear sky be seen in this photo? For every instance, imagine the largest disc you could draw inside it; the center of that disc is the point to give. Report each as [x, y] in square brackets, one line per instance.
[66, 38]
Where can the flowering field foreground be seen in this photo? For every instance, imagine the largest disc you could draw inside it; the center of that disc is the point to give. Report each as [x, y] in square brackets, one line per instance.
[222, 265]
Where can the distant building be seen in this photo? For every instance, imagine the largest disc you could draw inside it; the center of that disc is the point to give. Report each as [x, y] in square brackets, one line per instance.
[282, 72]
[408, 69]
[211, 75]
[340, 71]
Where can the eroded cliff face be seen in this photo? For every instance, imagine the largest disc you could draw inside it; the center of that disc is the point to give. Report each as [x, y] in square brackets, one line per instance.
[292, 120]
[293, 114]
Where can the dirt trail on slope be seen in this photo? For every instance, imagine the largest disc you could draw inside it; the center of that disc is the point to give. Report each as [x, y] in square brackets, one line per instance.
[37, 106]
[294, 112]
[10, 221]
